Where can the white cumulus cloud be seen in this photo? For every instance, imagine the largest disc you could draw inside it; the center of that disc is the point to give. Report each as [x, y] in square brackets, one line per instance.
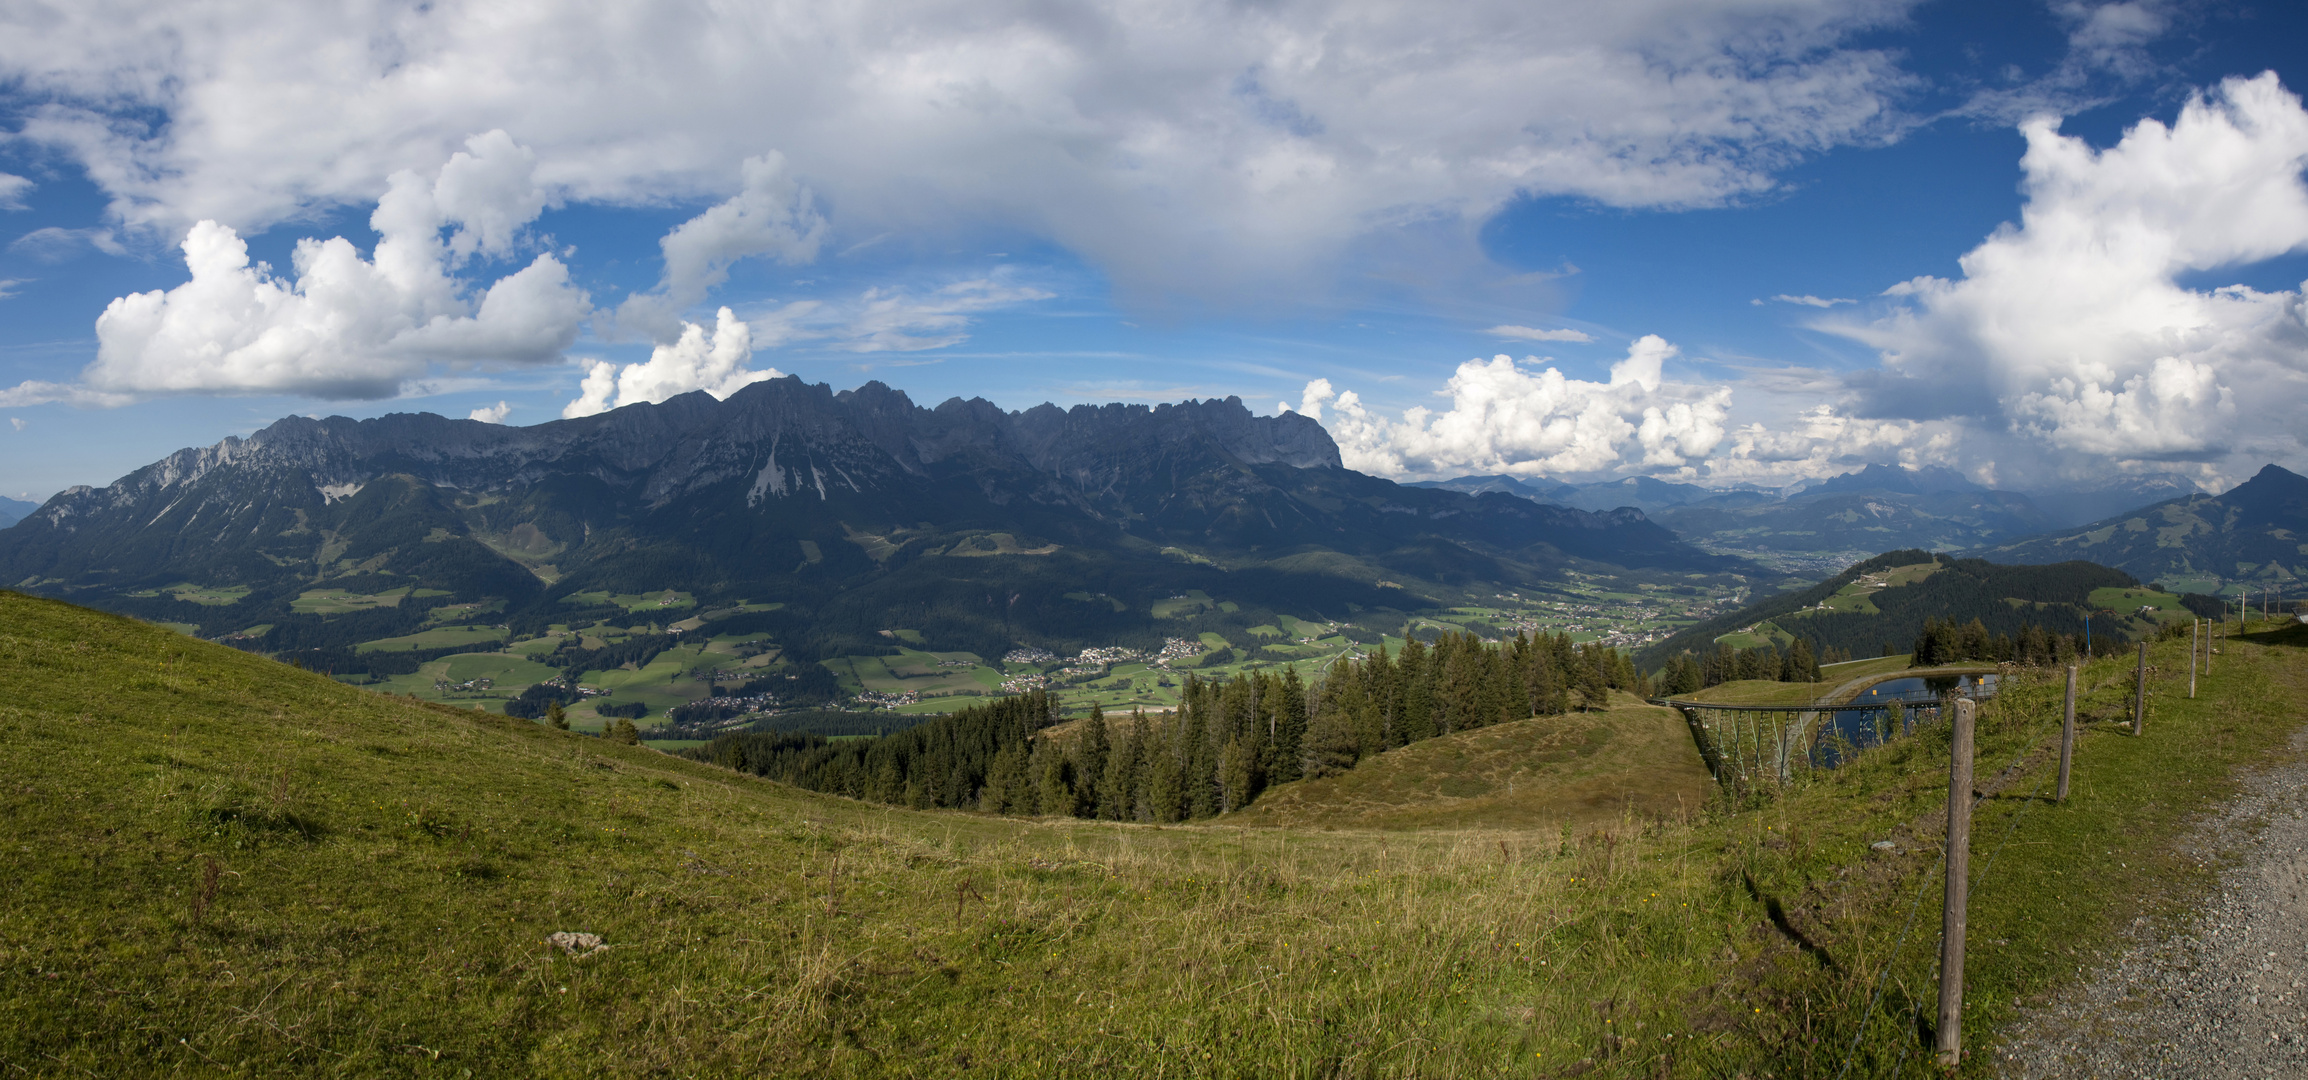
[16, 422]
[345, 326]
[714, 362]
[1507, 418]
[774, 215]
[2071, 340]
[12, 191]
[493, 414]
[1532, 333]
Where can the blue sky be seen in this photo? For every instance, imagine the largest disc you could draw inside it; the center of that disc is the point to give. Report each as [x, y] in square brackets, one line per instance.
[1679, 220]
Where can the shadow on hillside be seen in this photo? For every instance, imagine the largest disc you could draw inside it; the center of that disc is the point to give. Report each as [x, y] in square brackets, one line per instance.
[2295, 635]
[1778, 913]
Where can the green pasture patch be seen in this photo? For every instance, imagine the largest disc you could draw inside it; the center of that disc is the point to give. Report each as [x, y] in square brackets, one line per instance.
[186, 628]
[339, 602]
[513, 674]
[1212, 639]
[204, 595]
[999, 543]
[1265, 631]
[436, 638]
[641, 603]
[1191, 602]
[2162, 606]
[1852, 669]
[454, 613]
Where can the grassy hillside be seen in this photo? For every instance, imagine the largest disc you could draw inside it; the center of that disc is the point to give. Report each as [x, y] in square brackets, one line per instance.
[1885, 600]
[2245, 539]
[225, 865]
[1625, 767]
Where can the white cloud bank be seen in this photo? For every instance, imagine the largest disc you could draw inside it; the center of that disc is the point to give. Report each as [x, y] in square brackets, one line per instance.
[2071, 337]
[493, 414]
[345, 326]
[714, 362]
[2077, 345]
[1506, 418]
[1196, 147]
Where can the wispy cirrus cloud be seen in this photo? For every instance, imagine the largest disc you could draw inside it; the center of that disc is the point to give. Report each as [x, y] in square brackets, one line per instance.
[1529, 333]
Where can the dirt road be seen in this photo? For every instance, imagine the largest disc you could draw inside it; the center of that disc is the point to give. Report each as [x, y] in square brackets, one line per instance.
[2226, 995]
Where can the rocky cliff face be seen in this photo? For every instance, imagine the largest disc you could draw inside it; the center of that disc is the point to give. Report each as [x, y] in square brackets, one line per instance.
[782, 473]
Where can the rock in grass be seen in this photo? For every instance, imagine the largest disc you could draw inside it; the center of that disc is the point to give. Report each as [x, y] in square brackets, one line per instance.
[576, 944]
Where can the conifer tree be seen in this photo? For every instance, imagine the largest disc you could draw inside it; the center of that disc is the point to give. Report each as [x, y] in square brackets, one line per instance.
[1165, 777]
[1289, 727]
[1004, 778]
[1118, 793]
[1054, 784]
[555, 716]
[1091, 753]
[1416, 677]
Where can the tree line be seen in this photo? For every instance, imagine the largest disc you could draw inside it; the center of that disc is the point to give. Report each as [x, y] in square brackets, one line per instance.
[1227, 742]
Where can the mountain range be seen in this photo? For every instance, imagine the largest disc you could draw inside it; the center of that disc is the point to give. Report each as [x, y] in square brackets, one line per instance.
[14, 510]
[858, 507]
[2253, 535]
[1843, 518]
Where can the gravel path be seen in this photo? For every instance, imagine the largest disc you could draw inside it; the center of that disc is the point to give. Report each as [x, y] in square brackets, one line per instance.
[2226, 995]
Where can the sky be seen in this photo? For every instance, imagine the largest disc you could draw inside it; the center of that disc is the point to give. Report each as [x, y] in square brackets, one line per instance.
[2052, 245]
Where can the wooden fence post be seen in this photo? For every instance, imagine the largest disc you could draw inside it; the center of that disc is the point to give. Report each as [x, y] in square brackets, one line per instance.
[2195, 643]
[1958, 888]
[2067, 733]
[2140, 691]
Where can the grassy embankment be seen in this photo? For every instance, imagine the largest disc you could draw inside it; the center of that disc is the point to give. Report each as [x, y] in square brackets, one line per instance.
[230, 866]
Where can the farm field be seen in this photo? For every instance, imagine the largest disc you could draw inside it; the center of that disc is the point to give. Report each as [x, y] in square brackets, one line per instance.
[204, 595]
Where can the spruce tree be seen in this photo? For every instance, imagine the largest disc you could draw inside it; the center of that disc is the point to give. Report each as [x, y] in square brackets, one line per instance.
[1091, 753]
[555, 716]
[1118, 791]
[1289, 726]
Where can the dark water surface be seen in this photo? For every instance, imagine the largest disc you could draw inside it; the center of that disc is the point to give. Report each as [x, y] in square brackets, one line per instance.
[1862, 728]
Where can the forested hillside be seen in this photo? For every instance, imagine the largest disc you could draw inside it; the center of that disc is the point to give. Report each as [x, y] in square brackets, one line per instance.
[1226, 743]
[1882, 606]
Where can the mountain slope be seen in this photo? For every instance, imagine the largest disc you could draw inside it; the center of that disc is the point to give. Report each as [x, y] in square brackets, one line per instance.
[14, 510]
[846, 506]
[1886, 599]
[2256, 534]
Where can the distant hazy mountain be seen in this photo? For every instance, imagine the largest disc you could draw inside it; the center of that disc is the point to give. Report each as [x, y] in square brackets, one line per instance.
[850, 506]
[14, 510]
[2198, 543]
[2079, 506]
[1895, 480]
[1878, 508]
[1644, 493]
[1539, 488]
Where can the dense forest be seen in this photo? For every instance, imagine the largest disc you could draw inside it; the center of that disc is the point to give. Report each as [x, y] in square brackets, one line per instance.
[1226, 743]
